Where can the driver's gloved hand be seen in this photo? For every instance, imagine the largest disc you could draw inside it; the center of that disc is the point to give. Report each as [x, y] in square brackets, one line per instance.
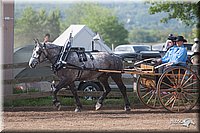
[156, 61]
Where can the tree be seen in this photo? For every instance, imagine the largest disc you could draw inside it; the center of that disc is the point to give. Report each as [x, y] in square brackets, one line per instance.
[53, 24]
[186, 12]
[138, 35]
[35, 24]
[100, 20]
[25, 27]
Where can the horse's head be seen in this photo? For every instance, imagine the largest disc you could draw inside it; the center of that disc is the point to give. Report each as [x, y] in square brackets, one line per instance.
[38, 55]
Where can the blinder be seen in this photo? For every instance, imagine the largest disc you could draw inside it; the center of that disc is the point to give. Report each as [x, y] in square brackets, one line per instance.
[39, 50]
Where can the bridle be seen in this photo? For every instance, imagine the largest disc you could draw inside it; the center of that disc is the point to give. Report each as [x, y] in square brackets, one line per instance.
[42, 50]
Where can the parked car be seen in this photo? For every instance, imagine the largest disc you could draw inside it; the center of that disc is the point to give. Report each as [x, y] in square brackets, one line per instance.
[188, 46]
[131, 48]
[131, 53]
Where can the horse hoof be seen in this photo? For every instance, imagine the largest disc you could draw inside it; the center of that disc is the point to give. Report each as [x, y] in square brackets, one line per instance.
[127, 108]
[98, 106]
[77, 110]
[58, 105]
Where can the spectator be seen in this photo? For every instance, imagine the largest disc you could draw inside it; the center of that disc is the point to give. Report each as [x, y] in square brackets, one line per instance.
[195, 47]
[170, 42]
[46, 38]
[195, 59]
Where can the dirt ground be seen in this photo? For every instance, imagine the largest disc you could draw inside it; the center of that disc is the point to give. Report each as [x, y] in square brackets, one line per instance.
[105, 120]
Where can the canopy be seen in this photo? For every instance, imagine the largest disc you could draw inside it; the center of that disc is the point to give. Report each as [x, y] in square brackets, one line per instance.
[82, 37]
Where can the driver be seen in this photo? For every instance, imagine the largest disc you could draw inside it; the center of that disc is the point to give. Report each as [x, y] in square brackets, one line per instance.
[176, 55]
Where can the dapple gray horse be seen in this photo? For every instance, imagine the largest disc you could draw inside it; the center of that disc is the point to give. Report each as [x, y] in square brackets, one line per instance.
[67, 76]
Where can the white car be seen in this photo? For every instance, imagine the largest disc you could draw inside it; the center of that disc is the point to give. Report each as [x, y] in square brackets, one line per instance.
[131, 48]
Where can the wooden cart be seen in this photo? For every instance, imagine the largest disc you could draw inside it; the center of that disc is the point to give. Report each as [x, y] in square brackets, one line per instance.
[176, 88]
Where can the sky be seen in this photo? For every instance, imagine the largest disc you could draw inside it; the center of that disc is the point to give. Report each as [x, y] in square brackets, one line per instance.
[102, 1]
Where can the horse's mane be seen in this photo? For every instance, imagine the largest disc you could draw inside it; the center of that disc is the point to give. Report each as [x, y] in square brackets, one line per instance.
[51, 46]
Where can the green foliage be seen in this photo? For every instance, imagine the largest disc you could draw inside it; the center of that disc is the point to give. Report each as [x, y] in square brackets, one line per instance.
[180, 10]
[109, 20]
[148, 36]
[100, 20]
[35, 24]
[53, 24]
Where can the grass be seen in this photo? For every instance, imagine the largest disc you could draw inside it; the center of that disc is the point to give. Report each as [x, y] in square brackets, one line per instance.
[66, 101]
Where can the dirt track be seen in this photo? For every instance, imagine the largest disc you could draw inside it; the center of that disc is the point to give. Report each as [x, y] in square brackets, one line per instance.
[103, 120]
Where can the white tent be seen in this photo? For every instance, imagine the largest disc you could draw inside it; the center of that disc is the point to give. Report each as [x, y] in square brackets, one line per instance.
[82, 37]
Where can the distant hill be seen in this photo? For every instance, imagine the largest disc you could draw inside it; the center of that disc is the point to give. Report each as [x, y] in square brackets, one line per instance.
[136, 15]
[132, 14]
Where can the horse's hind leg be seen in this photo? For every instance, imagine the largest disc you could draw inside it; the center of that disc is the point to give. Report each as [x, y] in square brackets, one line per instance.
[118, 80]
[74, 92]
[104, 80]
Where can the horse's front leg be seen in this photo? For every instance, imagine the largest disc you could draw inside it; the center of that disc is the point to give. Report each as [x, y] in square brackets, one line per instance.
[104, 80]
[55, 89]
[74, 92]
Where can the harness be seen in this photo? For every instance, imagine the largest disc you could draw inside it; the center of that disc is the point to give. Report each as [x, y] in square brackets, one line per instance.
[82, 58]
[80, 51]
[45, 54]
[62, 59]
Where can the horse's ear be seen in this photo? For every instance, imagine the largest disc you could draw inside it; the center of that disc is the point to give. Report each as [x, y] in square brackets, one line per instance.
[38, 42]
[44, 45]
[35, 41]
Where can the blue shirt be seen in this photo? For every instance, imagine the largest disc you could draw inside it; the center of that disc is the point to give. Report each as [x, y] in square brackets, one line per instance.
[176, 55]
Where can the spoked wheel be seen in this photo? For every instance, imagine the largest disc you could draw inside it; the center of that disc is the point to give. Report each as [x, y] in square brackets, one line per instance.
[178, 89]
[147, 93]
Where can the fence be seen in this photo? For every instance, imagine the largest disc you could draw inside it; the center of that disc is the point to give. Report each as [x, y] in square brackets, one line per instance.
[45, 94]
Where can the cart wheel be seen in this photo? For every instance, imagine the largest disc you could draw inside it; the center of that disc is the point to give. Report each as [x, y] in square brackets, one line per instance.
[146, 91]
[178, 89]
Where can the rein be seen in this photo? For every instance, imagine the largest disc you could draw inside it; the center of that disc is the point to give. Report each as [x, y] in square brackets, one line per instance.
[44, 48]
[46, 58]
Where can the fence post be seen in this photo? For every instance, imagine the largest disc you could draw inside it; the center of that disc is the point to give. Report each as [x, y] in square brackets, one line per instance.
[8, 41]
